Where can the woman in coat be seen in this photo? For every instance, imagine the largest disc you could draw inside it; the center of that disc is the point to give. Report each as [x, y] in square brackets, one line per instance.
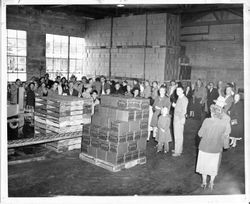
[214, 134]
[237, 120]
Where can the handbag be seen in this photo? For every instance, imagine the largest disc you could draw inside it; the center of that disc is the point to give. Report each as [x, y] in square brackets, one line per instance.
[234, 122]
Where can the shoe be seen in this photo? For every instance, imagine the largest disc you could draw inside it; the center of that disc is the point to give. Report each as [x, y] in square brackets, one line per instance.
[158, 151]
[176, 154]
[165, 151]
[203, 186]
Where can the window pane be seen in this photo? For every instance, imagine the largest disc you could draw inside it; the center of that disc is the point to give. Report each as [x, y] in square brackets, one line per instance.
[49, 49]
[21, 67]
[64, 52]
[64, 65]
[21, 60]
[79, 65]
[72, 51]
[57, 49]
[57, 65]
[11, 33]
[72, 65]
[12, 64]
[22, 76]
[11, 51]
[21, 34]
[12, 77]
[21, 51]
[21, 43]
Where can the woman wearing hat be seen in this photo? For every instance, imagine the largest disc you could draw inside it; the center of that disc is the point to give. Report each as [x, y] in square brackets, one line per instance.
[214, 134]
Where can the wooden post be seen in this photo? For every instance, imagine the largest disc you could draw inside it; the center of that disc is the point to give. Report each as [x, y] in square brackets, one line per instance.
[145, 48]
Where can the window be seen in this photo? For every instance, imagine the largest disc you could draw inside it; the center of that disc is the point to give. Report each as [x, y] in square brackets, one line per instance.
[63, 62]
[16, 54]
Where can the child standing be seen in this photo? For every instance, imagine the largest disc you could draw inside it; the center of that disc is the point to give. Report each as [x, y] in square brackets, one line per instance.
[164, 135]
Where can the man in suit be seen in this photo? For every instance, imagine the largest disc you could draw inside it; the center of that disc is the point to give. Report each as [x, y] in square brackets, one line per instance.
[104, 86]
[212, 94]
[71, 91]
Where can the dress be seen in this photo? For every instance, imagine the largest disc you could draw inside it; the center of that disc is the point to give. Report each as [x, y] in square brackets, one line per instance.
[160, 102]
[164, 123]
[214, 137]
[199, 100]
[237, 119]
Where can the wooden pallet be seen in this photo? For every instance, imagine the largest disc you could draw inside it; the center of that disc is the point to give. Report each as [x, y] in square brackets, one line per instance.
[109, 166]
[42, 138]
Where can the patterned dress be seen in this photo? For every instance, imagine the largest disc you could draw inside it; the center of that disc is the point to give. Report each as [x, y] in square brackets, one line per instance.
[164, 123]
[159, 102]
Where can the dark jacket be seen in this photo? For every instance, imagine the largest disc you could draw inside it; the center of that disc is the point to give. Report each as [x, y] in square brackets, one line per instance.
[74, 93]
[211, 96]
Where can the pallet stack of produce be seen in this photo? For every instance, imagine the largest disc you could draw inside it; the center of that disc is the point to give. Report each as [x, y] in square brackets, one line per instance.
[60, 117]
[117, 136]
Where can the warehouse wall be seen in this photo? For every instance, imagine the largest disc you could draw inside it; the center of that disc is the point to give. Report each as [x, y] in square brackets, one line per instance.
[37, 24]
[215, 51]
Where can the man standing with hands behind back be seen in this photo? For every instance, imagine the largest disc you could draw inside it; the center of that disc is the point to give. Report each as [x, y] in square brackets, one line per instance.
[179, 120]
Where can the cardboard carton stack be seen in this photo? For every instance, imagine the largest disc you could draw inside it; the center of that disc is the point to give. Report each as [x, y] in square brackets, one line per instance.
[130, 30]
[59, 116]
[118, 132]
[127, 62]
[98, 33]
[163, 29]
[96, 61]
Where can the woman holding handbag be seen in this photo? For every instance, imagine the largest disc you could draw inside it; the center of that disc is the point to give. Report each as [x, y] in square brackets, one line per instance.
[214, 134]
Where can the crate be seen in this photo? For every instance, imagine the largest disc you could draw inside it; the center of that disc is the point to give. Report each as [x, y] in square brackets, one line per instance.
[144, 124]
[121, 128]
[117, 139]
[132, 146]
[136, 135]
[130, 136]
[142, 144]
[119, 148]
[134, 126]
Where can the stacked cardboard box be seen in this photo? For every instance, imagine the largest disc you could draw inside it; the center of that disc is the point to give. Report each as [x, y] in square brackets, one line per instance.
[163, 29]
[98, 33]
[127, 62]
[59, 115]
[162, 63]
[130, 30]
[118, 132]
[96, 62]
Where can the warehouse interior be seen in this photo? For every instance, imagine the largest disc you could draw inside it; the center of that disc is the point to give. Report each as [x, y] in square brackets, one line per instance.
[155, 42]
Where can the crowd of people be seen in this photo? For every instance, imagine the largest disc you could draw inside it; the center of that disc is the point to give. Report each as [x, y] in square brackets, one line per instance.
[219, 108]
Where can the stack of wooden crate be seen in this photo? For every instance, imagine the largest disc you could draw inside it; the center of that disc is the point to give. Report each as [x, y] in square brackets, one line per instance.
[117, 136]
[62, 115]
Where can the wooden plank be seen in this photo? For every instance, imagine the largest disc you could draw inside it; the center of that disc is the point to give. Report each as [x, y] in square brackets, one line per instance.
[109, 166]
[41, 138]
[21, 161]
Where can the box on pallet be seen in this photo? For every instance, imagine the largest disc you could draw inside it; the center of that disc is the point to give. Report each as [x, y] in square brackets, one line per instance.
[92, 151]
[137, 135]
[121, 128]
[105, 145]
[130, 136]
[104, 133]
[95, 142]
[132, 146]
[141, 144]
[128, 157]
[102, 154]
[134, 126]
[115, 158]
[117, 139]
[119, 148]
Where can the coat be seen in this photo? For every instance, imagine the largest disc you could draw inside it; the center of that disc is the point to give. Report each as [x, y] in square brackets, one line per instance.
[237, 119]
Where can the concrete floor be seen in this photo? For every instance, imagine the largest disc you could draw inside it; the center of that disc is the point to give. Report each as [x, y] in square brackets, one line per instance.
[66, 174]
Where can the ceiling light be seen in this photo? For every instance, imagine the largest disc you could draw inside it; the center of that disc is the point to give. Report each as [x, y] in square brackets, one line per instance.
[120, 5]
